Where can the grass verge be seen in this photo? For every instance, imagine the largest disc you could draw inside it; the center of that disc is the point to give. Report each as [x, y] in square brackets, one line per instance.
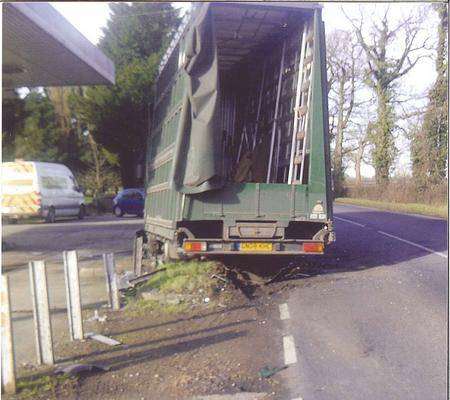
[409, 208]
[187, 282]
[44, 386]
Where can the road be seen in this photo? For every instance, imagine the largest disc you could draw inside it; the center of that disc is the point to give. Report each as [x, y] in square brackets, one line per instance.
[372, 324]
[91, 236]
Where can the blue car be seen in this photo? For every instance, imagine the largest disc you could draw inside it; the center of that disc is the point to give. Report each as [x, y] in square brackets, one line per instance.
[129, 201]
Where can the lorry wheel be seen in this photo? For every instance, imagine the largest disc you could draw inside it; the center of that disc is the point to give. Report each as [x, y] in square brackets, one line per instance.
[82, 212]
[118, 212]
[51, 216]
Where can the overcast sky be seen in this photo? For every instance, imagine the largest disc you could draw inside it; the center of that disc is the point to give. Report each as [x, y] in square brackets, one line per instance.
[90, 17]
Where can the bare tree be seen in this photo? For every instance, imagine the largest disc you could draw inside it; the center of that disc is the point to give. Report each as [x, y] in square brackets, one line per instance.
[358, 144]
[391, 52]
[345, 78]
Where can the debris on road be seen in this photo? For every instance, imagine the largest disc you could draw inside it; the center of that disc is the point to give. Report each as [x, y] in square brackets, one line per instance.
[102, 339]
[79, 369]
[144, 277]
[267, 372]
[286, 273]
[123, 280]
[97, 317]
[223, 279]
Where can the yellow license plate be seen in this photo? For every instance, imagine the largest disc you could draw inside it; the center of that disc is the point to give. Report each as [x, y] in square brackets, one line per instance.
[255, 246]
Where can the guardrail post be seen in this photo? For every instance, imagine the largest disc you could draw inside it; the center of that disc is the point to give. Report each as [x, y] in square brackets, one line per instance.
[137, 255]
[73, 296]
[41, 313]
[8, 365]
[111, 281]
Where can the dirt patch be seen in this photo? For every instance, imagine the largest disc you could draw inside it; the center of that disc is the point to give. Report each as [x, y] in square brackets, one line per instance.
[212, 348]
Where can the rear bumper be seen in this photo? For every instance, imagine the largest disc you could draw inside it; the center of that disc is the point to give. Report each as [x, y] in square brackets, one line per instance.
[278, 247]
[16, 213]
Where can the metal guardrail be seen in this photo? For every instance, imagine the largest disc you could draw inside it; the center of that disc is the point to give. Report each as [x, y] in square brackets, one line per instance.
[8, 368]
[41, 311]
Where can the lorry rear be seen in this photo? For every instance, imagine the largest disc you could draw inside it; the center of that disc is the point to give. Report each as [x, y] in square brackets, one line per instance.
[238, 154]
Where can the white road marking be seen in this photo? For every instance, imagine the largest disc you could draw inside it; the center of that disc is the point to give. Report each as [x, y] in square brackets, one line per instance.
[290, 355]
[414, 244]
[284, 311]
[350, 222]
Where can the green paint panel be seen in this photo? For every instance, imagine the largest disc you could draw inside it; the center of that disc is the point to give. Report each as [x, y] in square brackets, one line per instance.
[247, 201]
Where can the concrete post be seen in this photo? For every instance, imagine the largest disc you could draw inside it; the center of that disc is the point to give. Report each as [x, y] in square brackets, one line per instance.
[8, 365]
[41, 313]
[111, 281]
[73, 296]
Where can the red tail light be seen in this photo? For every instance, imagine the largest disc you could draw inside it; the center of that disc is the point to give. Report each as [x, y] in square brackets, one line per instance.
[194, 246]
[313, 247]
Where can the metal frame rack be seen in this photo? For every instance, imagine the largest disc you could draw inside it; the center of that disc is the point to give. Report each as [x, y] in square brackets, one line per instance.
[263, 100]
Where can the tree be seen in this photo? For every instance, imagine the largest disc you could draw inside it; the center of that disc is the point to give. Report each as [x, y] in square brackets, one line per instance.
[361, 136]
[70, 130]
[345, 76]
[429, 146]
[382, 74]
[100, 169]
[40, 137]
[13, 115]
[117, 116]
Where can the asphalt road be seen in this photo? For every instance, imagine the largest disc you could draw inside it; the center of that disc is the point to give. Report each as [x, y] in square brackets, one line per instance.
[371, 321]
[90, 237]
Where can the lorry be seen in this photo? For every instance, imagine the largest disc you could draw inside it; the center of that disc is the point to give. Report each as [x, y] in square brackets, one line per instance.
[41, 190]
[238, 151]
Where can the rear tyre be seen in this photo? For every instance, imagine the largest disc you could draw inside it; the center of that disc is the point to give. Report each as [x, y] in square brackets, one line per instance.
[51, 216]
[118, 212]
[82, 212]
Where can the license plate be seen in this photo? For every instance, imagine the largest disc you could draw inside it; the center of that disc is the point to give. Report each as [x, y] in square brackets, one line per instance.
[255, 246]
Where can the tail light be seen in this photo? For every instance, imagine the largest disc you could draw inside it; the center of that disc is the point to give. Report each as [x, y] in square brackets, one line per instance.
[194, 246]
[313, 247]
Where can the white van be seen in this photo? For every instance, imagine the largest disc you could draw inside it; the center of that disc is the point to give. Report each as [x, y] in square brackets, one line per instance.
[40, 189]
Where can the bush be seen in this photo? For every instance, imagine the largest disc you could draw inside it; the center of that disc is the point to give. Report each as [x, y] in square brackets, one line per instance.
[400, 190]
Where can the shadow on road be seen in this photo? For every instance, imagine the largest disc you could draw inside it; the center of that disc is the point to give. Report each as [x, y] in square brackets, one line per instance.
[357, 248]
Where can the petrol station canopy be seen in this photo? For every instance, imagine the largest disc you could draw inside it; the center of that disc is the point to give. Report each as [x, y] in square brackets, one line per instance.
[41, 48]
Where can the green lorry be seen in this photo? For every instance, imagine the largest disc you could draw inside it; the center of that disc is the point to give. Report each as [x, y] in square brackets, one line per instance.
[238, 153]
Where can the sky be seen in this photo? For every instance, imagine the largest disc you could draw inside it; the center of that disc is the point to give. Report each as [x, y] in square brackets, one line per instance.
[90, 17]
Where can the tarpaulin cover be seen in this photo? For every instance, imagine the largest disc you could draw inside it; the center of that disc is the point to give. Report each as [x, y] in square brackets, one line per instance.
[197, 163]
